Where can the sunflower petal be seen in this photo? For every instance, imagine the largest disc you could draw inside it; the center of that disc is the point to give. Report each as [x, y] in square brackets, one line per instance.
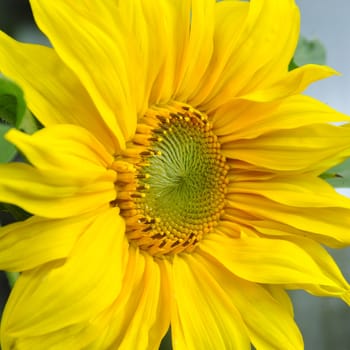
[53, 92]
[270, 31]
[298, 191]
[68, 147]
[137, 319]
[36, 241]
[108, 82]
[268, 322]
[70, 164]
[279, 261]
[314, 148]
[160, 59]
[279, 293]
[198, 48]
[248, 119]
[327, 225]
[203, 316]
[295, 82]
[68, 294]
[230, 17]
[327, 264]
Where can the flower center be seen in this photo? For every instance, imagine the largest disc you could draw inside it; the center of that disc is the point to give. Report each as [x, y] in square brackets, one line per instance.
[171, 180]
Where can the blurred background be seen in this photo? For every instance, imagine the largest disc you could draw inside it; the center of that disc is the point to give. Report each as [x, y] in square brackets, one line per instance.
[325, 322]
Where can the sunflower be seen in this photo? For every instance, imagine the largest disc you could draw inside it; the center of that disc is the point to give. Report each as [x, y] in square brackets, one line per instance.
[175, 182]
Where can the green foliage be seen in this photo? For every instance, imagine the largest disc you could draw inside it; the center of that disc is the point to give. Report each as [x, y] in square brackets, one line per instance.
[7, 150]
[339, 176]
[12, 104]
[292, 65]
[13, 108]
[13, 113]
[17, 213]
[166, 342]
[12, 277]
[309, 51]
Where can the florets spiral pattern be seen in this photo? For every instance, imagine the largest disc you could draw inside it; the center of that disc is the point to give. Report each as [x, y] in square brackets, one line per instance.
[177, 188]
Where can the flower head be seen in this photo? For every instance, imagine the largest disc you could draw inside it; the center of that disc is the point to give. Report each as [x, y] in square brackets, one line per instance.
[176, 179]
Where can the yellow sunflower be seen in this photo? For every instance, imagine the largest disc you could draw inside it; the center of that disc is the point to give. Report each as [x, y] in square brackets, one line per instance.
[175, 182]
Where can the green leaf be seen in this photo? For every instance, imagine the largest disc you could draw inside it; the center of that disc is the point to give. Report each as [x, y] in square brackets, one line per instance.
[13, 108]
[166, 342]
[7, 150]
[17, 213]
[29, 124]
[339, 176]
[309, 51]
[292, 65]
[12, 103]
[12, 278]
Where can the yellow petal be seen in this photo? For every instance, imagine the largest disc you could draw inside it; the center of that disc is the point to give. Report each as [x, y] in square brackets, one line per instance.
[198, 48]
[52, 91]
[279, 293]
[67, 147]
[258, 53]
[157, 33]
[296, 191]
[51, 194]
[35, 241]
[203, 313]
[328, 266]
[312, 248]
[70, 175]
[139, 318]
[248, 119]
[292, 83]
[97, 52]
[59, 299]
[326, 225]
[271, 261]
[313, 148]
[238, 119]
[268, 322]
[230, 20]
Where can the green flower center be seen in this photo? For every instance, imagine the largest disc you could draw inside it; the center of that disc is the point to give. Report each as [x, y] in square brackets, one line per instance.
[180, 180]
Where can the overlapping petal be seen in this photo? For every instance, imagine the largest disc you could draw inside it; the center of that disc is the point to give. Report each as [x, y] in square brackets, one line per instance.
[67, 147]
[303, 212]
[295, 82]
[52, 91]
[204, 315]
[230, 299]
[99, 60]
[311, 148]
[298, 191]
[328, 266]
[248, 119]
[70, 176]
[269, 322]
[138, 318]
[36, 241]
[280, 261]
[198, 48]
[255, 55]
[280, 294]
[59, 295]
[157, 45]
